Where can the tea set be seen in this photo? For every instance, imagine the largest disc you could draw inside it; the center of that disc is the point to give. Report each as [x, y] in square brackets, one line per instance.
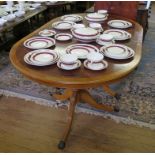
[89, 55]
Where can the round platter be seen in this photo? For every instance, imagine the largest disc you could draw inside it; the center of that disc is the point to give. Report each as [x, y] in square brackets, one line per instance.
[39, 42]
[119, 24]
[81, 50]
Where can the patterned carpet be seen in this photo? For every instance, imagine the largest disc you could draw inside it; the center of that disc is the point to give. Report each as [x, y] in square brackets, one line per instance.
[137, 102]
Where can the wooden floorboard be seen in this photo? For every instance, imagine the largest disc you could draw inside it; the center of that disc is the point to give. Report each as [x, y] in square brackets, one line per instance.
[29, 127]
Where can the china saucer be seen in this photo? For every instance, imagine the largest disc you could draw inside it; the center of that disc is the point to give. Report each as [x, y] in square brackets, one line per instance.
[100, 42]
[63, 37]
[63, 66]
[96, 66]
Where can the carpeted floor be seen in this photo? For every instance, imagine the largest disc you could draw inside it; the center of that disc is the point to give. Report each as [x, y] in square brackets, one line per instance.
[137, 103]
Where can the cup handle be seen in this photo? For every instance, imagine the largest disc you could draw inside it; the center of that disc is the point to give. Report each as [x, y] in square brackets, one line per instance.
[113, 41]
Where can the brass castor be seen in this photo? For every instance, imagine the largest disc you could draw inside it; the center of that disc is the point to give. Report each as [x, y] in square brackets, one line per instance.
[116, 108]
[61, 145]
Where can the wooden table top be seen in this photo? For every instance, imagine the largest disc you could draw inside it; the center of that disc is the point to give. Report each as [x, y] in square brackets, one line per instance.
[80, 78]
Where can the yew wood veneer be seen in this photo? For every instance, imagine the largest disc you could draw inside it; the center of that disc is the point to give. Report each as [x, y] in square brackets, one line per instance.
[77, 82]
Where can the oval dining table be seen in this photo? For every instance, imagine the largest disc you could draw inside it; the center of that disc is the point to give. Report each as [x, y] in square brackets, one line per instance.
[77, 82]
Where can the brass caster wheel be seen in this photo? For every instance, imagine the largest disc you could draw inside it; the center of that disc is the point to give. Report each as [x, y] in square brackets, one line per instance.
[116, 109]
[61, 145]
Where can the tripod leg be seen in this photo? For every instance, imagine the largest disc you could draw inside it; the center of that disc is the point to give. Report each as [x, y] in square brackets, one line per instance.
[73, 101]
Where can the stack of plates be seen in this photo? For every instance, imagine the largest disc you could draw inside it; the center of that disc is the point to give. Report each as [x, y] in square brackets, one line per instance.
[72, 18]
[96, 17]
[81, 50]
[63, 25]
[118, 34]
[119, 24]
[86, 34]
[63, 36]
[39, 42]
[117, 51]
[47, 33]
[41, 57]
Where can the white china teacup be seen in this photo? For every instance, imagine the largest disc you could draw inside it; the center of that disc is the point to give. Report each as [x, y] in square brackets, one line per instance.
[69, 59]
[95, 57]
[102, 11]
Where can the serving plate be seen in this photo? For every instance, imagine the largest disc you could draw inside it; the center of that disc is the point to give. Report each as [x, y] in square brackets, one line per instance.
[81, 50]
[39, 42]
[119, 24]
[41, 57]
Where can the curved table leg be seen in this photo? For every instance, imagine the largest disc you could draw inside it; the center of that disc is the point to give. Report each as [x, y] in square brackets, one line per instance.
[108, 90]
[67, 94]
[86, 97]
[73, 102]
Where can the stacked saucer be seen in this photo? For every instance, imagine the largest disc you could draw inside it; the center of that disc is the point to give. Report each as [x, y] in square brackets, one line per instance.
[118, 34]
[72, 18]
[96, 17]
[41, 57]
[117, 51]
[95, 61]
[105, 39]
[69, 62]
[47, 33]
[86, 34]
[63, 36]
